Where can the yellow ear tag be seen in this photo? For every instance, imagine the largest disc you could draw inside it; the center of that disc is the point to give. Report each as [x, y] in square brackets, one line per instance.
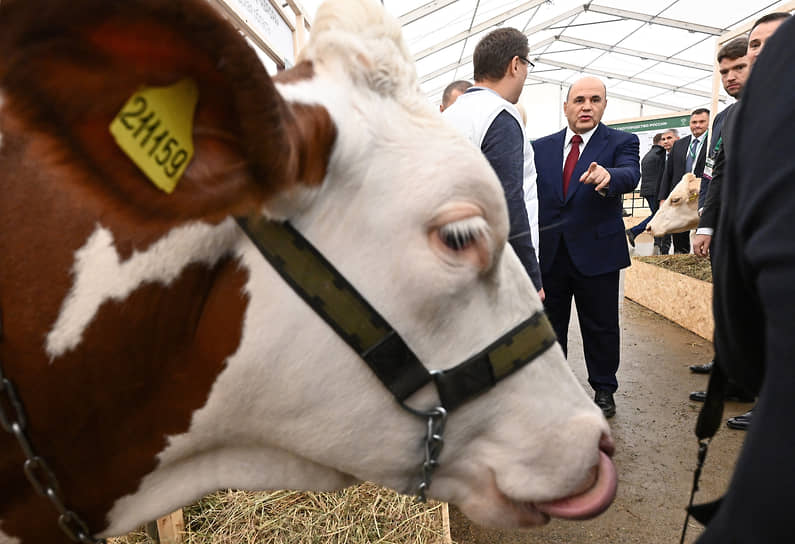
[155, 129]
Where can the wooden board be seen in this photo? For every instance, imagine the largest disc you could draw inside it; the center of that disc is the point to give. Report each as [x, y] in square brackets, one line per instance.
[683, 300]
[171, 528]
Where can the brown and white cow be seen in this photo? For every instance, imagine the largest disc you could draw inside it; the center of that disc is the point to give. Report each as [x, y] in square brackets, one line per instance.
[679, 212]
[159, 357]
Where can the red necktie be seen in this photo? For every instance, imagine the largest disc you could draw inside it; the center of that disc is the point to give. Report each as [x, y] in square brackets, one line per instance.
[571, 161]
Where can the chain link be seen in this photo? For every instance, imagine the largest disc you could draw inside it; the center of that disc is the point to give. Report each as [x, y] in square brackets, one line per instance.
[434, 442]
[41, 477]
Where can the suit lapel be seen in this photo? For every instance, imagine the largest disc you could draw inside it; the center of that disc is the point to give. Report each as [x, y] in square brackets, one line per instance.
[556, 178]
[594, 148]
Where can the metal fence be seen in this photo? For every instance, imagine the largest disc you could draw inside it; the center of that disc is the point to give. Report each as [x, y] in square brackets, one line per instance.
[635, 204]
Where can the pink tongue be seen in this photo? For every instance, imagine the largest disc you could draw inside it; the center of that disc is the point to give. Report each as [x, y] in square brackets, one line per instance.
[591, 503]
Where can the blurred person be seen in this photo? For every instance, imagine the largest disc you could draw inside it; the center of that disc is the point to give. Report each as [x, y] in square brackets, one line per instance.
[452, 92]
[754, 322]
[669, 138]
[687, 155]
[583, 172]
[652, 166]
[487, 116]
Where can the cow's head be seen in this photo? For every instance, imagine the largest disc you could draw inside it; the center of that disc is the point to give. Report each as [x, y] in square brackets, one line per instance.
[261, 392]
[679, 212]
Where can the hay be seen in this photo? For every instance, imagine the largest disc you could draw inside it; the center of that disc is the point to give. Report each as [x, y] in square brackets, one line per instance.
[365, 513]
[689, 265]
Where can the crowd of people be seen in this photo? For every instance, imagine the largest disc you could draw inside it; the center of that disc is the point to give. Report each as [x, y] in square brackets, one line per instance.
[577, 177]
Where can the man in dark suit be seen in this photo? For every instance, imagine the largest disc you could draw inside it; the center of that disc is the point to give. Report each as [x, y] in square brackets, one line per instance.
[688, 155]
[754, 296]
[583, 171]
[761, 31]
[734, 69]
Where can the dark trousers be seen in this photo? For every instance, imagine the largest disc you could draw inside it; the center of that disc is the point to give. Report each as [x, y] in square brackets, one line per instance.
[597, 308]
[654, 205]
[681, 243]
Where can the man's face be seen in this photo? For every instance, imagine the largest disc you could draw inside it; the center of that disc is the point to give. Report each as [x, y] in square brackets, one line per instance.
[668, 140]
[585, 105]
[699, 123]
[758, 37]
[733, 75]
[520, 70]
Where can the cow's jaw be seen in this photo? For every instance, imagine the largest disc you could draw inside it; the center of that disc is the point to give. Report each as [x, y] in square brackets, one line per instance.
[180, 481]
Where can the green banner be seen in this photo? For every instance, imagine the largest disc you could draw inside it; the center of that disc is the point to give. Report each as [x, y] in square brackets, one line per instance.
[656, 125]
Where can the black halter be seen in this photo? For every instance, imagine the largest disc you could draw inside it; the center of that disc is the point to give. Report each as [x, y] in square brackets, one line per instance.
[334, 299]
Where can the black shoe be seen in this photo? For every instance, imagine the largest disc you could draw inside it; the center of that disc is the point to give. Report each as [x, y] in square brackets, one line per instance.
[731, 396]
[706, 368]
[741, 422]
[631, 237]
[604, 400]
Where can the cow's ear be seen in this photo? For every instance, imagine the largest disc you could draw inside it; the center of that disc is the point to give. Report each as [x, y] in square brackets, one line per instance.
[67, 70]
[693, 186]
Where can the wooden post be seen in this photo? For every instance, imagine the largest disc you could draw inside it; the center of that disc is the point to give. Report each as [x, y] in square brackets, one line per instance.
[447, 537]
[171, 528]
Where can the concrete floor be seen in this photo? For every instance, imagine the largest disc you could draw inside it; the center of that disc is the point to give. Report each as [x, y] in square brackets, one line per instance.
[655, 445]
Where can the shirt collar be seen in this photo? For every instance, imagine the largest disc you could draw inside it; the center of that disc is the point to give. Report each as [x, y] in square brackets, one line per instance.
[586, 136]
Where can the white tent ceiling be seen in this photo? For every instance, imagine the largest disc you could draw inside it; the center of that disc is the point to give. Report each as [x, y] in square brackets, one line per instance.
[655, 56]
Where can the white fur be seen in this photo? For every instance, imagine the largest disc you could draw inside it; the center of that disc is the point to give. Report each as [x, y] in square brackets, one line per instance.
[100, 275]
[5, 539]
[295, 406]
[679, 212]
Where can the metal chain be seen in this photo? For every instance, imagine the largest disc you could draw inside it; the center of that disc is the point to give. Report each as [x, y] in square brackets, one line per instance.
[41, 477]
[434, 442]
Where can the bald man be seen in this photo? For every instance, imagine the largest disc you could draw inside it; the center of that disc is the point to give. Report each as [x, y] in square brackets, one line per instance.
[583, 171]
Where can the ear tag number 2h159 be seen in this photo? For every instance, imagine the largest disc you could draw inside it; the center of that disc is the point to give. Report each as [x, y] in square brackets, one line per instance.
[155, 129]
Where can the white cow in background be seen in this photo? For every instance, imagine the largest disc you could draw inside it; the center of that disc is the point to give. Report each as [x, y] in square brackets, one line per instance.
[679, 212]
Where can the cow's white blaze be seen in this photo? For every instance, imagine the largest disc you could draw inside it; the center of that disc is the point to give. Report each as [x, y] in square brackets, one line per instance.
[99, 274]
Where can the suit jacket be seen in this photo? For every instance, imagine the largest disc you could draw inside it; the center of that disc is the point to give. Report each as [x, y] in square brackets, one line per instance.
[675, 167]
[711, 212]
[754, 296]
[717, 127]
[590, 224]
[652, 167]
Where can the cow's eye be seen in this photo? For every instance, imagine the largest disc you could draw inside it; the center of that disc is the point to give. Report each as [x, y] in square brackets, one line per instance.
[676, 200]
[461, 235]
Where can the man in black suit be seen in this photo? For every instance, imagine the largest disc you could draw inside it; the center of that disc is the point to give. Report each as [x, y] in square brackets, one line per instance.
[761, 31]
[754, 321]
[688, 155]
[734, 69]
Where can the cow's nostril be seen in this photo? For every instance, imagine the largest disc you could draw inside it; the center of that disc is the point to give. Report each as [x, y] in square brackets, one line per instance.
[607, 445]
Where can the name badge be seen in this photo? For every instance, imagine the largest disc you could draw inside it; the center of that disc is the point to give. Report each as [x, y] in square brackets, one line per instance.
[708, 169]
